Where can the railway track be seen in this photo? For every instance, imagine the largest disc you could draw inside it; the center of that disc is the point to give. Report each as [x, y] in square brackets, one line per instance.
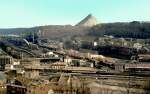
[101, 76]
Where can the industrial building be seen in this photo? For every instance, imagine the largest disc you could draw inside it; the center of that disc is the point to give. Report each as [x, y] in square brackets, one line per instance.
[5, 60]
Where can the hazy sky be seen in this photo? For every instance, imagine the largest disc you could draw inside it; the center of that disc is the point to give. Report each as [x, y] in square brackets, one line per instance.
[27, 13]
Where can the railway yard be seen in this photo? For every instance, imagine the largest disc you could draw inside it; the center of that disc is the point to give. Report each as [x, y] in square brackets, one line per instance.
[107, 69]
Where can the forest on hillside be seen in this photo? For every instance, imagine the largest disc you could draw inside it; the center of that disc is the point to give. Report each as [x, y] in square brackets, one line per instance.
[133, 29]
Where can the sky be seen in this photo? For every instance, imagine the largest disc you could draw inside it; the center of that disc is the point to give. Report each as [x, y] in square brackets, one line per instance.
[30, 13]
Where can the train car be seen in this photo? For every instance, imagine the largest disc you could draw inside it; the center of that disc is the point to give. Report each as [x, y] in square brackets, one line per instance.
[133, 67]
